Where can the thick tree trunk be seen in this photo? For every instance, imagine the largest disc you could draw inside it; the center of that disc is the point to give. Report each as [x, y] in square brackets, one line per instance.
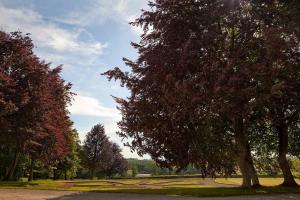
[241, 141]
[245, 172]
[282, 160]
[30, 178]
[254, 177]
[245, 161]
[11, 172]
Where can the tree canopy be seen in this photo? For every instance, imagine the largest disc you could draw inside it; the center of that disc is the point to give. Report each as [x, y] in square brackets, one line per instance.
[101, 156]
[33, 104]
[207, 75]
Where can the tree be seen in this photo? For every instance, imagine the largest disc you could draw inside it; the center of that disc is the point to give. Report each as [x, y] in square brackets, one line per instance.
[71, 163]
[102, 156]
[163, 114]
[34, 97]
[116, 164]
[95, 147]
[279, 78]
[51, 141]
[203, 85]
[17, 62]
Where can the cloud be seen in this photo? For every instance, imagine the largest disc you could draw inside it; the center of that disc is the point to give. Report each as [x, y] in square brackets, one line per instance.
[89, 106]
[47, 34]
[110, 129]
[66, 40]
[99, 11]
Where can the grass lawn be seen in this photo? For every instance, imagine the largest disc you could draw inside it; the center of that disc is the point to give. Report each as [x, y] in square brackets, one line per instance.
[263, 181]
[180, 186]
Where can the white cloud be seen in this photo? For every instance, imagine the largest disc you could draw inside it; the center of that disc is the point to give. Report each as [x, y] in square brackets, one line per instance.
[76, 48]
[99, 11]
[46, 34]
[89, 106]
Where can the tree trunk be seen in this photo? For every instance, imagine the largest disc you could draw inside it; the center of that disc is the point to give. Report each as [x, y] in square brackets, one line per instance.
[30, 178]
[254, 177]
[241, 141]
[282, 160]
[245, 171]
[11, 172]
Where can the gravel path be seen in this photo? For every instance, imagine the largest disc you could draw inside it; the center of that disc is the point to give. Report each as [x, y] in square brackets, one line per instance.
[20, 194]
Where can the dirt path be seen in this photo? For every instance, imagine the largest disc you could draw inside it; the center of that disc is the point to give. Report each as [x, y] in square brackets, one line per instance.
[20, 194]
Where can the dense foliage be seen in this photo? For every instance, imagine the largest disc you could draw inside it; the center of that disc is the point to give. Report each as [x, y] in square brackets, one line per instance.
[33, 105]
[211, 79]
[101, 156]
[214, 91]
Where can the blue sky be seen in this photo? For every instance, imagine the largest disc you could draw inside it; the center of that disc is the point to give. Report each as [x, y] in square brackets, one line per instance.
[88, 37]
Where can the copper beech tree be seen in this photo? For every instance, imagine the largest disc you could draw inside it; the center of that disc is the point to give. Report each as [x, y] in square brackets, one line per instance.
[207, 71]
[101, 156]
[33, 99]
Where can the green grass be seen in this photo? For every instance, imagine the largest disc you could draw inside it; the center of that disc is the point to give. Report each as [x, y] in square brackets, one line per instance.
[180, 186]
[212, 192]
[263, 181]
[39, 185]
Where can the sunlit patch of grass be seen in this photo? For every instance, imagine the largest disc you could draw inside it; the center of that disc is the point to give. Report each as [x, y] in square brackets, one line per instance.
[263, 181]
[155, 181]
[129, 181]
[98, 183]
[186, 181]
[190, 187]
[211, 191]
[229, 181]
[179, 183]
[271, 181]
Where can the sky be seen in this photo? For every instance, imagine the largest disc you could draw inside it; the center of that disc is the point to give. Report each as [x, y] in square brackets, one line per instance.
[88, 37]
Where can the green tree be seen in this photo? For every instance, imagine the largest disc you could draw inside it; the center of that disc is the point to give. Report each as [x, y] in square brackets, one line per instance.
[71, 164]
[95, 146]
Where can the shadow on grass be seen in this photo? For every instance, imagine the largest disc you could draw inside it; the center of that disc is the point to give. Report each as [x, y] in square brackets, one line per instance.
[146, 194]
[213, 192]
[113, 193]
[16, 184]
[115, 196]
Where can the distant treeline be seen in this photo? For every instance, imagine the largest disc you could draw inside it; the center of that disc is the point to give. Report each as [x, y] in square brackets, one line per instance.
[149, 167]
[141, 168]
